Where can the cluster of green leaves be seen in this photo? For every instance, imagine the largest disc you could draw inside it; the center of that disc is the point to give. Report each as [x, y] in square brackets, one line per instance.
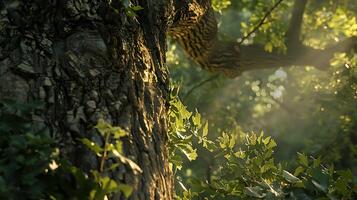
[245, 169]
[31, 166]
[183, 126]
[244, 165]
[25, 153]
[185, 130]
[111, 149]
[127, 6]
[272, 31]
[330, 21]
[219, 5]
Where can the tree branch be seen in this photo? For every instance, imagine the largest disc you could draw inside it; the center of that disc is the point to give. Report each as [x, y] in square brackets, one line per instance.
[262, 21]
[200, 85]
[254, 57]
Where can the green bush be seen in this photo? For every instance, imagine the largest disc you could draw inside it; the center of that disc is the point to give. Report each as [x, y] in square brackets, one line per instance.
[26, 153]
[31, 167]
[245, 167]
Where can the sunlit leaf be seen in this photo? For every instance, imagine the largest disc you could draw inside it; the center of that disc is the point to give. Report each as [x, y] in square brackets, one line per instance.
[303, 160]
[298, 171]
[205, 130]
[196, 119]
[136, 169]
[256, 192]
[92, 146]
[118, 132]
[290, 178]
[103, 127]
[125, 189]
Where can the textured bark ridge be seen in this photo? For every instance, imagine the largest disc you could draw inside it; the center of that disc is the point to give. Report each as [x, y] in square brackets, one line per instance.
[87, 61]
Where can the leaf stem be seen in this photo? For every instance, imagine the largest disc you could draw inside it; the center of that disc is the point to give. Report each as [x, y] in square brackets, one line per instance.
[105, 152]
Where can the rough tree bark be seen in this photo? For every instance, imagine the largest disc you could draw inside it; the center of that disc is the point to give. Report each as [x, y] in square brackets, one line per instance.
[88, 60]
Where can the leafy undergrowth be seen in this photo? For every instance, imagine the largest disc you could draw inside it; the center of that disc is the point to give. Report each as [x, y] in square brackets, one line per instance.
[245, 167]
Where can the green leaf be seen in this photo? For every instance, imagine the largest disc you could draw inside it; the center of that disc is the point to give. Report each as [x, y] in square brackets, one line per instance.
[240, 154]
[316, 162]
[268, 47]
[256, 192]
[302, 159]
[92, 146]
[290, 178]
[224, 140]
[319, 186]
[346, 175]
[205, 130]
[271, 144]
[108, 185]
[119, 146]
[219, 5]
[320, 179]
[125, 189]
[183, 111]
[298, 171]
[196, 119]
[266, 140]
[112, 167]
[189, 152]
[103, 127]
[136, 169]
[118, 132]
[136, 8]
[176, 160]
[232, 141]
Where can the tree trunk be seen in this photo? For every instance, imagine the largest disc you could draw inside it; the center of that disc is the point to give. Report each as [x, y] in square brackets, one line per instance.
[88, 61]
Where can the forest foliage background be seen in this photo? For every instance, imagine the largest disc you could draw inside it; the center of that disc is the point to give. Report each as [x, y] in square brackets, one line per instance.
[306, 110]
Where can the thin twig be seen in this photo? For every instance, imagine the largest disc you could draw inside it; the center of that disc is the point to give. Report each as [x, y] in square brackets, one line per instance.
[262, 21]
[199, 85]
[105, 152]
